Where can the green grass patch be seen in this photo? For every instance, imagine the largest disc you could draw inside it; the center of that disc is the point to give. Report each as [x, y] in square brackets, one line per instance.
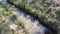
[41, 16]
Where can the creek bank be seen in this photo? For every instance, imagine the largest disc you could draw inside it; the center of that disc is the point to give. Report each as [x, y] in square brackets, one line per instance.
[54, 30]
[19, 15]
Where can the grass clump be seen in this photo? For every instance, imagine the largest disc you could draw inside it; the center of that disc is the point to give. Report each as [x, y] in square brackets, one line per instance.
[58, 12]
[41, 16]
[34, 11]
[2, 28]
[6, 9]
[13, 17]
[22, 25]
[27, 8]
[21, 4]
[1, 25]
[52, 20]
[42, 8]
[3, 5]
[25, 31]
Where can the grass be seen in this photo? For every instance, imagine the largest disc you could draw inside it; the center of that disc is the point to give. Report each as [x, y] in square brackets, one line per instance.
[52, 20]
[25, 31]
[1, 27]
[1, 23]
[21, 4]
[58, 12]
[27, 8]
[23, 26]
[41, 16]
[42, 8]
[13, 17]
[6, 11]
[34, 11]
[6, 29]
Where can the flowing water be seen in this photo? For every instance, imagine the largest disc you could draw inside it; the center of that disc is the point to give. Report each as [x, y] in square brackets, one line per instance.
[33, 26]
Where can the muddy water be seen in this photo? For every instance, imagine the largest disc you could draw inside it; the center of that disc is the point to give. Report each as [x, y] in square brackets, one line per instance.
[33, 26]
